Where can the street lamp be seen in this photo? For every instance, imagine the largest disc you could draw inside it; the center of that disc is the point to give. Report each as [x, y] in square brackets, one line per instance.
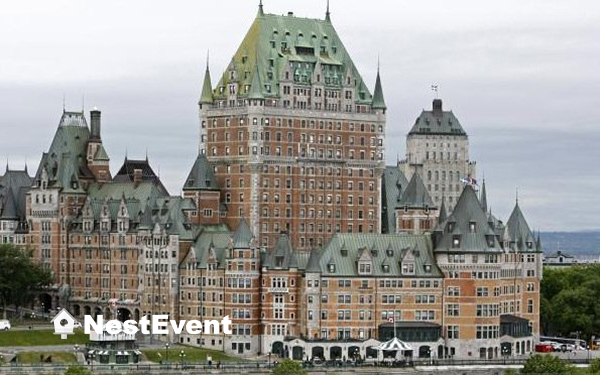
[269, 359]
[167, 347]
[182, 357]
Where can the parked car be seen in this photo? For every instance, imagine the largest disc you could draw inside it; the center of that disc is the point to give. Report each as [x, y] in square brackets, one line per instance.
[4, 325]
[567, 347]
[544, 347]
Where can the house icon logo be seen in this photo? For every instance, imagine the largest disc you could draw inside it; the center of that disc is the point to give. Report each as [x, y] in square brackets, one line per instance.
[63, 324]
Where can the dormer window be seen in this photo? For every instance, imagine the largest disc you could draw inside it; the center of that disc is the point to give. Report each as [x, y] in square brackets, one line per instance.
[389, 252]
[490, 240]
[472, 227]
[427, 268]
[364, 268]
[450, 226]
[455, 241]
[408, 268]
[386, 268]
[374, 253]
[529, 245]
[331, 268]
[344, 252]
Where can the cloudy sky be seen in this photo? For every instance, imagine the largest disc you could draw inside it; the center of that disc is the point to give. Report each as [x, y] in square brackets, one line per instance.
[522, 77]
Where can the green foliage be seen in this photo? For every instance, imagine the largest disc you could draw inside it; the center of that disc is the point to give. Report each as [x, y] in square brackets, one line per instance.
[545, 364]
[289, 367]
[568, 301]
[20, 276]
[192, 354]
[49, 357]
[40, 337]
[78, 370]
[594, 366]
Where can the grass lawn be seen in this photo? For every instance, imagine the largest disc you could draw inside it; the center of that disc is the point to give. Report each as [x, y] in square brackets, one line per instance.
[40, 337]
[57, 357]
[192, 354]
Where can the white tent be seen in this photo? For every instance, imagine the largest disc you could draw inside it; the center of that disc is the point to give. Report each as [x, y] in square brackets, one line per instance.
[394, 344]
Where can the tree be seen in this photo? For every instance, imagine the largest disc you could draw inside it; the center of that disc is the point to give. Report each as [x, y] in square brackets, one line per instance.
[20, 276]
[545, 364]
[288, 367]
[568, 301]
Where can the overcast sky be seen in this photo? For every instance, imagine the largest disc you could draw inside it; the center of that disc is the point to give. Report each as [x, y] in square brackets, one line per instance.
[522, 77]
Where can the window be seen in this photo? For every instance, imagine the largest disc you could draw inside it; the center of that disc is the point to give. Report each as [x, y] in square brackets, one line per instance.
[453, 332]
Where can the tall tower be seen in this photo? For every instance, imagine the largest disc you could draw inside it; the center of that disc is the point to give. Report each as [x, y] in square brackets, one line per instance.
[294, 135]
[437, 147]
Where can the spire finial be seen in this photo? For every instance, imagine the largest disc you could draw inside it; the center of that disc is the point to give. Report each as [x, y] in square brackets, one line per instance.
[64, 102]
[125, 153]
[517, 196]
[207, 59]
[260, 8]
[83, 103]
[7, 169]
[328, 13]
[146, 153]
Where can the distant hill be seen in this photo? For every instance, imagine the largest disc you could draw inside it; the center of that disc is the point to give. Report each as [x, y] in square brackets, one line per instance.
[585, 244]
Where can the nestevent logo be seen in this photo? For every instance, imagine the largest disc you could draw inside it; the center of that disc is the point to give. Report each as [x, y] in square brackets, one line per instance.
[64, 323]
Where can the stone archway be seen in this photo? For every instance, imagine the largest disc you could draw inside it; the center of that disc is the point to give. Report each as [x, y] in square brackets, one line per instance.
[87, 310]
[424, 351]
[107, 313]
[318, 352]
[277, 348]
[335, 352]
[297, 353]
[45, 302]
[76, 310]
[97, 312]
[354, 352]
[123, 314]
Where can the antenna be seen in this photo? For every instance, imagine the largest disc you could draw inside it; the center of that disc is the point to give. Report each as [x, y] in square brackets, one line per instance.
[64, 102]
[83, 103]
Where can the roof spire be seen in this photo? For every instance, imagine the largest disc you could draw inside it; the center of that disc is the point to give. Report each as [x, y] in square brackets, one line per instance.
[7, 169]
[483, 197]
[206, 97]
[64, 103]
[260, 8]
[443, 213]
[517, 196]
[378, 101]
[328, 13]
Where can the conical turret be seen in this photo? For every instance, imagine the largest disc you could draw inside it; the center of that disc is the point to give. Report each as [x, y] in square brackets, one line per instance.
[378, 101]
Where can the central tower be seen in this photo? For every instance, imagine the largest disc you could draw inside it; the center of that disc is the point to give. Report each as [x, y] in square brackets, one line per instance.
[294, 135]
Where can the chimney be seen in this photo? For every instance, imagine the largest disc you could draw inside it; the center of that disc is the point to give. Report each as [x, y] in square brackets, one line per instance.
[137, 177]
[95, 121]
[437, 106]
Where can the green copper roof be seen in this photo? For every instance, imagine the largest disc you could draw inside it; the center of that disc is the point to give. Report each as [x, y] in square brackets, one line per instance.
[206, 96]
[101, 154]
[282, 256]
[345, 250]
[468, 224]
[242, 237]
[201, 176]
[518, 230]
[394, 182]
[275, 43]
[256, 89]
[378, 101]
[437, 121]
[415, 195]
[65, 161]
